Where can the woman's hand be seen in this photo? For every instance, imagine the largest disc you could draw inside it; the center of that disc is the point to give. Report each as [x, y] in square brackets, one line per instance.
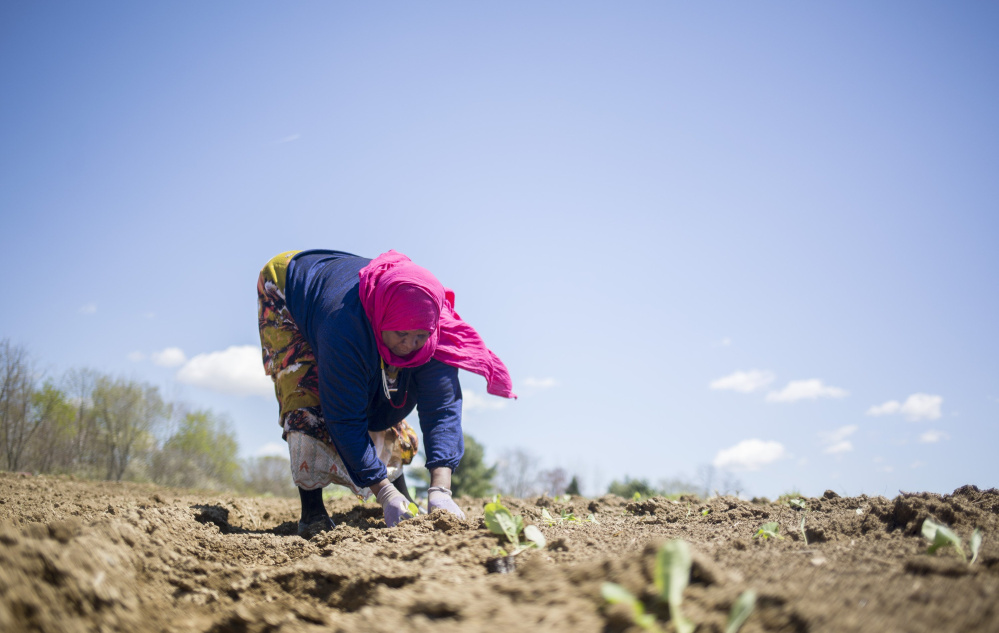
[440, 499]
[393, 503]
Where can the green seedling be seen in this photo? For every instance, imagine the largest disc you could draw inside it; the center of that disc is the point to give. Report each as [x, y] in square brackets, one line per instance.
[799, 504]
[705, 512]
[941, 536]
[741, 609]
[976, 544]
[501, 521]
[769, 530]
[565, 515]
[688, 508]
[637, 496]
[673, 562]
[593, 519]
[414, 509]
[616, 594]
[672, 574]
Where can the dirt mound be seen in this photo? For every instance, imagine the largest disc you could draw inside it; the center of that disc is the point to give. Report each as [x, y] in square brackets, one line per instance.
[85, 556]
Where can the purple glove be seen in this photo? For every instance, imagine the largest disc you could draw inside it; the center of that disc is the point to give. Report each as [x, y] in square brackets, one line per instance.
[395, 505]
[440, 499]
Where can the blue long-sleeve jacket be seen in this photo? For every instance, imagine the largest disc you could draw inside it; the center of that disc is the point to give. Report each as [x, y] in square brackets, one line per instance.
[322, 295]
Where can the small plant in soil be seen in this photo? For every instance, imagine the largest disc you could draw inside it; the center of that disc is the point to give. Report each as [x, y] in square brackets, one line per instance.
[502, 522]
[769, 530]
[672, 574]
[564, 515]
[616, 594]
[976, 544]
[741, 608]
[940, 535]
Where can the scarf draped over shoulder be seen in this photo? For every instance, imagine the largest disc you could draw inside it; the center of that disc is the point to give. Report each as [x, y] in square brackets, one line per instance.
[399, 295]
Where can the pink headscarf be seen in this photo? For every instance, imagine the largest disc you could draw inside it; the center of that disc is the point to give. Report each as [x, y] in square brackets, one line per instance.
[399, 295]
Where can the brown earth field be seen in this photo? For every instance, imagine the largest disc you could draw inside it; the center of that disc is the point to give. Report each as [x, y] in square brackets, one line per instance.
[98, 556]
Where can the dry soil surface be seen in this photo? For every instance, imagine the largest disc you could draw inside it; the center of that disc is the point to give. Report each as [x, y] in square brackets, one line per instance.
[86, 556]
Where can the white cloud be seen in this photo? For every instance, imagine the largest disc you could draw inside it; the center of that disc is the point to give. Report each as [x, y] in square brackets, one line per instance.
[806, 390]
[888, 408]
[89, 308]
[278, 449]
[136, 356]
[918, 406]
[917, 465]
[744, 381]
[237, 370]
[844, 446]
[289, 139]
[931, 437]
[749, 455]
[840, 434]
[472, 401]
[836, 441]
[725, 342]
[540, 383]
[169, 357]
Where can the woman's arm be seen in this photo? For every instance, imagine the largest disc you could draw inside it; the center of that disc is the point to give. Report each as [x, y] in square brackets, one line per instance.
[438, 396]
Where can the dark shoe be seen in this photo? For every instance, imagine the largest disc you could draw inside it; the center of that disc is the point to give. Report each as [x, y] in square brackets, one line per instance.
[318, 525]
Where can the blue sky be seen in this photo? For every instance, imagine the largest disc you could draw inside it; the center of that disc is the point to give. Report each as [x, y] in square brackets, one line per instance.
[760, 236]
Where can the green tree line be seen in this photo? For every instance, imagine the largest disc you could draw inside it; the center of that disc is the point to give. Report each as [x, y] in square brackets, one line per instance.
[97, 426]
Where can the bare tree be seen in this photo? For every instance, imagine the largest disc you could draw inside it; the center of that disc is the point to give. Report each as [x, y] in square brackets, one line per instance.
[553, 482]
[85, 449]
[517, 473]
[270, 474]
[49, 448]
[17, 422]
[126, 415]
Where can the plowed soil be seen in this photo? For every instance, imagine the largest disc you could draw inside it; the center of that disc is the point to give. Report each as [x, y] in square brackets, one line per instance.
[86, 556]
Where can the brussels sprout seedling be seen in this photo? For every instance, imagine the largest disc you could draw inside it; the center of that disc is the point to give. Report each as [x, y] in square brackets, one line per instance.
[414, 509]
[976, 544]
[672, 574]
[798, 503]
[616, 594]
[501, 521]
[941, 536]
[768, 530]
[741, 609]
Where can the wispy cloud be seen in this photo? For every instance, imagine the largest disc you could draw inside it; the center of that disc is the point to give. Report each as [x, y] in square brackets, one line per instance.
[288, 139]
[806, 390]
[169, 357]
[89, 308]
[918, 406]
[472, 401]
[836, 441]
[725, 342]
[750, 455]
[932, 437]
[540, 383]
[136, 356]
[236, 370]
[744, 381]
